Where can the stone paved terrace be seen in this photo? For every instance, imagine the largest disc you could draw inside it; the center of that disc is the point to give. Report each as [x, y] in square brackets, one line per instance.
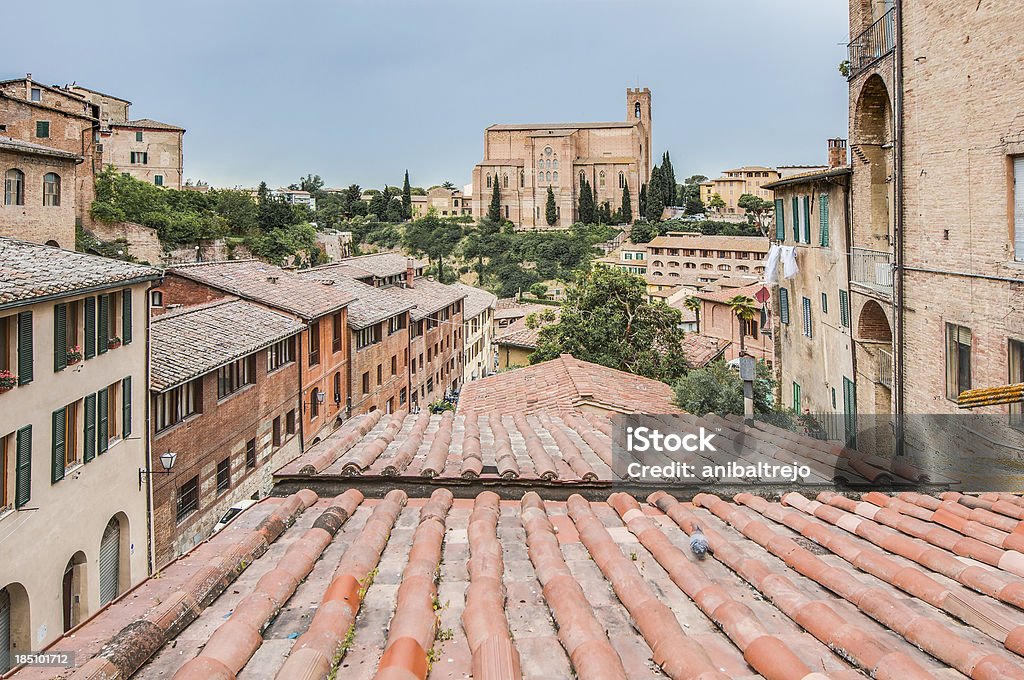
[803, 589]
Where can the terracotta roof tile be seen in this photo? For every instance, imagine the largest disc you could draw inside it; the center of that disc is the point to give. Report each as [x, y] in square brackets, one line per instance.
[381, 265]
[798, 590]
[269, 285]
[477, 300]
[149, 124]
[369, 305]
[700, 350]
[20, 146]
[30, 272]
[427, 296]
[710, 242]
[727, 294]
[193, 341]
[517, 334]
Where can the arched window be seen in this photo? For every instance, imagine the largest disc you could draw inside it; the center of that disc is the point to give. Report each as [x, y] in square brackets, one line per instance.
[51, 189]
[556, 176]
[689, 265]
[622, 180]
[488, 181]
[724, 268]
[14, 187]
[549, 176]
[636, 109]
[540, 164]
[742, 268]
[583, 178]
[600, 181]
[555, 163]
[522, 179]
[707, 265]
[504, 180]
[314, 403]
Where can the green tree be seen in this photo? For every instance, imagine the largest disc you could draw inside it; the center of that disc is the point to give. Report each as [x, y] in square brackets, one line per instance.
[433, 237]
[604, 213]
[447, 184]
[716, 388]
[668, 179]
[607, 319]
[693, 303]
[395, 212]
[379, 204]
[626, 209]
[481, 241]
[494, 210]
[311, 183]
[643, 231]
[745, 308]
[238, 209]
[716, 203]
[759, 211]
[406, 197]
[587, 213]
[655, 196]
[539, 291]
[551, 210]
[643, 200]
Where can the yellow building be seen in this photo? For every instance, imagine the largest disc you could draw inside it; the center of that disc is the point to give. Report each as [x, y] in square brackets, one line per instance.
[736, 182]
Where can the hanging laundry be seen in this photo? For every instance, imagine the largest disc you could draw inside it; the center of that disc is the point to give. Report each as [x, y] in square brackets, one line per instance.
[789, 266]
[771, 267]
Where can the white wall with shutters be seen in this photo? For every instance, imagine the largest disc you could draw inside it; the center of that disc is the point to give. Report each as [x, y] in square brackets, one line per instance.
[1018, 208]
[110, 558]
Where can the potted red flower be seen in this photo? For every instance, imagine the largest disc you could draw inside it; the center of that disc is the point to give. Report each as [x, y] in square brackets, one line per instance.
[7, 380]
[114, 342]
[74, 355]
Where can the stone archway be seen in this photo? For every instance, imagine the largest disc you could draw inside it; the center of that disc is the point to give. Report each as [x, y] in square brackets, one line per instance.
[873, 324]
[873, 133]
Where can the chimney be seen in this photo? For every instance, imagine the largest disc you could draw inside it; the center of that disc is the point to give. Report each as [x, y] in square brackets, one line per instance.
[836, 153]
[28, 87]
[410, 272]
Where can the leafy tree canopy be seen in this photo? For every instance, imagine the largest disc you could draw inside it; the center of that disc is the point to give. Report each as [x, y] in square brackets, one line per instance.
[716, 388]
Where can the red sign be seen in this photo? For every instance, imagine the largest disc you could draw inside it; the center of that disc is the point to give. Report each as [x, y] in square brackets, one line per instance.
[762, 295]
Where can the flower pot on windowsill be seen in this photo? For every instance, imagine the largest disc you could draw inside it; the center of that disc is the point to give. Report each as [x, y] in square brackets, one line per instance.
[72, 362]
[7, 381]
[113, 343]
[5, 389]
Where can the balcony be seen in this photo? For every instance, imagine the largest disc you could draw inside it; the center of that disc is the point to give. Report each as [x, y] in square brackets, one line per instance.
[871, 269]
[873, 44]
[885, 368]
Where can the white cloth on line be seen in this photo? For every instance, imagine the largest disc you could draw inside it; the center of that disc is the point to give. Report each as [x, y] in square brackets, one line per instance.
[789, 266]
[771, 267]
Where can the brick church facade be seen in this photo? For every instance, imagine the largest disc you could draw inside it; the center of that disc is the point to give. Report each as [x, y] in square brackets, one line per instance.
[527, 159]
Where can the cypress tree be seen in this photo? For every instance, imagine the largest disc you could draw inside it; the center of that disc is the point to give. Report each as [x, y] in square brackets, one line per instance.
[587, 209]
[655, 196]
[668, 178]
[626, 210]
[643, 200]
[551, 210]
[494, 211]
[407, 197]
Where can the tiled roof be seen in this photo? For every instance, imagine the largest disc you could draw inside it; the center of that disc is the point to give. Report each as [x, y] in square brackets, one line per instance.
[381, 265]
[700, 350]
[818, 173]
[193, 341]
[477, 300]
[428, 296]
[567, 382]
[19, 146]
[518, 310]
[148, 123]
[518, 334]
[727, 294]
[836, 588]
[30, 272]
[711, 242]
[269, 285]
[369, 305]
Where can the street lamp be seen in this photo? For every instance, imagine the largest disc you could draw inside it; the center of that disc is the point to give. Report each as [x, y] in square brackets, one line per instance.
[167, 461]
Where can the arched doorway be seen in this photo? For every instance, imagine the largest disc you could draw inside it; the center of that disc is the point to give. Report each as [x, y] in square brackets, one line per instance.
[53, 243]
[873, 325]
[14, 624]
[73, 595]
[873, 136]
[110, 561]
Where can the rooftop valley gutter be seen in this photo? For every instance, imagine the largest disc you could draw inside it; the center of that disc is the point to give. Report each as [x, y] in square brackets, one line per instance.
[898, 311]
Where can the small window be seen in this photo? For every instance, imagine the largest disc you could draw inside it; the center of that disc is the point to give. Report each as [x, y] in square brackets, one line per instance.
[1018, 208]
[235, 376]
[366, 382]
[138, 136]
[14, 187]
[394, 364]
[806, 303]
[958, 360]
[796, 397]
[158, 180]
[380, 374]
[314, 343]
[784, 305]
[188, 498]
[42, 129]
[600, 179]
[37, 94]
[1016, 376]
[337, 332]
[224, 472]
[622, 180]
[824, 303]
[250, 458]
[276, 432]
[156, 298]
[314, 403]
[51, 189]
[289, 422]
[844, 308]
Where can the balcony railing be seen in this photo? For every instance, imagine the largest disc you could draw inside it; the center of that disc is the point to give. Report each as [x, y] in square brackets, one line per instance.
[871, 268]
[885, 368]
[873, 44]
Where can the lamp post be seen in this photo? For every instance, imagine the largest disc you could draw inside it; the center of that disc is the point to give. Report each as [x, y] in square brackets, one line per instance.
[167, 460]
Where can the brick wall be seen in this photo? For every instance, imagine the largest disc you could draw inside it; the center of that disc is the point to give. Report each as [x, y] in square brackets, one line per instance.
[367, 359]
[33, 221]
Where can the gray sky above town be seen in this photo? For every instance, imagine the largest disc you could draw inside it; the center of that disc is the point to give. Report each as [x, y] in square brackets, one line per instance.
[357, 91]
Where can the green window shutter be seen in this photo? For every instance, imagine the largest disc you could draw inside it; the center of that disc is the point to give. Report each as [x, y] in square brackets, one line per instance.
[90, 327]
[783, 305]
[103, 324]
[42, 129]
[780, 220]
[126, 407]
[850, 411]
[90, 427]
[844, 308]
[60, 425]
[796, 219]
[101, 421]
[60, 337]
[23, 467]
[796, 397]
[823, 218]
[25, 355]
[807, 219]
[824, 302]
[126, 316]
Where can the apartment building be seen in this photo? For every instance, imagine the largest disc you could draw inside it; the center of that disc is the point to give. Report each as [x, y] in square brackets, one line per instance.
[224, 390]
[39, 192]
[322, 308]
[478, 331]
[717, 320]
[629, 257]
[736, 182]
[444, 203]
[693, 259]
[814, 341]
[378, 328]
[73, 503]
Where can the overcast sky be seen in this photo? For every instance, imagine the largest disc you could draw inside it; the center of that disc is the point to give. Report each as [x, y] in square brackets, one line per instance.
[359, 90]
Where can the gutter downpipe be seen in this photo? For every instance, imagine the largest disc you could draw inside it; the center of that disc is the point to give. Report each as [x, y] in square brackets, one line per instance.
[900, 370]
